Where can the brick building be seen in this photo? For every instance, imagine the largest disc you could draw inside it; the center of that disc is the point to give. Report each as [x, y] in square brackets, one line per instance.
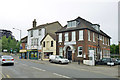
[78, 37]
[23, 50]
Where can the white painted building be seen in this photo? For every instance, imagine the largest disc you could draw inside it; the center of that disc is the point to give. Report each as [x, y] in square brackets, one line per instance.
[36, 34]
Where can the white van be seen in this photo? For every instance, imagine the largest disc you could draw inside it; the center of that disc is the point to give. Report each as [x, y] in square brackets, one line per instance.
[58, 59]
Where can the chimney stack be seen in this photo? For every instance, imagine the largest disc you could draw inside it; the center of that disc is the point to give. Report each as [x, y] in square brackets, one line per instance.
[34, 23]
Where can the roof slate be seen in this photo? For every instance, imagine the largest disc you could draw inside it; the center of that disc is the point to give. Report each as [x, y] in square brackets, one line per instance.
[43, 25]
[83, 24]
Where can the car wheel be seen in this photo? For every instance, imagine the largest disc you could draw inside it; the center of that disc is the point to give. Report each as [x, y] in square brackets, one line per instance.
[60, 62]
[50, 61]
[12, 64]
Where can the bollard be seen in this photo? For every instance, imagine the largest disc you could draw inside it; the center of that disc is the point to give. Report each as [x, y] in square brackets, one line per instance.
[79, 62]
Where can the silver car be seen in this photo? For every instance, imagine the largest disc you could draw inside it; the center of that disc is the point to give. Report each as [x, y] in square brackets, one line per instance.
[6, 59]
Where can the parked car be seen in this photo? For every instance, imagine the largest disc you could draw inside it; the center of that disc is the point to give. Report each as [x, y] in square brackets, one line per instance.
[6, 59]
[58, 59]
[117, 61]
[106, 61]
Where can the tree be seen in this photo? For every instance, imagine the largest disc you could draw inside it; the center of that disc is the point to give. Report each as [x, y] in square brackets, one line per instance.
[4, 43]
[114, 49]
[10, 43]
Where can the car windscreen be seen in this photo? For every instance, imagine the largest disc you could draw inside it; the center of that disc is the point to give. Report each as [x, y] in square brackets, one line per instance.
[6, 56]
[61, 57]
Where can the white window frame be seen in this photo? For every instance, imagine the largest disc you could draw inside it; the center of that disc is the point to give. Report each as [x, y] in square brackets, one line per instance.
[80, 51]
[81, 32]
[73, 36]
[31, 33]
[66, 36]
[60, 37]
[70, 24]
[103, 40]
[39, 32]
[89, 35]
[93, 37]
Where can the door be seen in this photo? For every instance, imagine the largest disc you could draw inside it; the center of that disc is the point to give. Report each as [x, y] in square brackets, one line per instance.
[69, 55]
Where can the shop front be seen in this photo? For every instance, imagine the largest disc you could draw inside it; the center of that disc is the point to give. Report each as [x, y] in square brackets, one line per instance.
[23, 54]
[33, 54]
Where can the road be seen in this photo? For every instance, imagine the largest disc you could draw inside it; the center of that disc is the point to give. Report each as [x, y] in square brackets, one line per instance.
[28, 69]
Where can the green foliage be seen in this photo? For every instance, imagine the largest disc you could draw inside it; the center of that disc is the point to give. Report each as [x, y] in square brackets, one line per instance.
[9, 43]
[114, 49]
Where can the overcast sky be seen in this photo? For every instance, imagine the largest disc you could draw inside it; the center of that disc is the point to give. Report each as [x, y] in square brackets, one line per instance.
[20, 14]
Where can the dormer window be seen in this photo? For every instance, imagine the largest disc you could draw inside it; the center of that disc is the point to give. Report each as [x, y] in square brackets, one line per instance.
[71, 24]
[97, 27]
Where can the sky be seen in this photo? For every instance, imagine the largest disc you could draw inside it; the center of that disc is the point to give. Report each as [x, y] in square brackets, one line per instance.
[20, 14]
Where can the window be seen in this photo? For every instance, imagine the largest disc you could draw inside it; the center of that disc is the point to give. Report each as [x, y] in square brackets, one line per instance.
[34, 40]
[93, 37]
[88, 35]
[60, 37]
[100, 37]
[71, 24]
[31, 42]
[51, 43]
[103, 39]
[60, 51]
[66, 36]
[80, 49]
[73, 36]
[37, 41]
[44, 44]
[39, 32]
[81, 35]
[108, 42]
[32, 33]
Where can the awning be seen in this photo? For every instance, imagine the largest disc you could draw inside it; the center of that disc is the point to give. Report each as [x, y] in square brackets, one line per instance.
[22, 51]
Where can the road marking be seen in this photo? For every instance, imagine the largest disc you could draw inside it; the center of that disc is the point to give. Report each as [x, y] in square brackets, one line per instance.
[8, 76]
[84, 69]
[24, 64]
[3, 76]
[39, 69]
[59, 65]
[16, 62]
[61, 75]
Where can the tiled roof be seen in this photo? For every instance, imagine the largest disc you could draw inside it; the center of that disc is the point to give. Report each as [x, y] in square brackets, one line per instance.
[83, 24]
[43, 25]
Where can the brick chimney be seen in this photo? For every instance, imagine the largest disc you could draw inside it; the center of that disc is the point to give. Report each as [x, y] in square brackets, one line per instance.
[34, 23]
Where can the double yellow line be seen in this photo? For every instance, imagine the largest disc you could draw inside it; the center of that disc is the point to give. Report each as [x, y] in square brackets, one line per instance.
[3, 76]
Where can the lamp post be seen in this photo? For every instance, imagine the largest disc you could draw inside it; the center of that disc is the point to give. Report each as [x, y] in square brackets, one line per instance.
[20, 32]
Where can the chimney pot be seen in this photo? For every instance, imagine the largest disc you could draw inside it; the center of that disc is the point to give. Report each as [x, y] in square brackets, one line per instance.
[34, 23]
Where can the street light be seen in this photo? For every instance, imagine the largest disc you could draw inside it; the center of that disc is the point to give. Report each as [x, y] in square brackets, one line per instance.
[20, 32]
